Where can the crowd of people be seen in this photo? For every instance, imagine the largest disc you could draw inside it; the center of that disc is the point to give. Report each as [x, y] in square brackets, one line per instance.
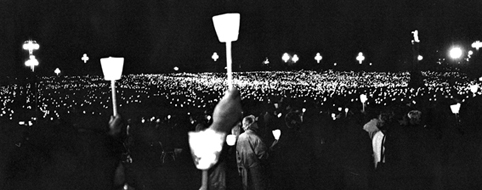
[400, 138]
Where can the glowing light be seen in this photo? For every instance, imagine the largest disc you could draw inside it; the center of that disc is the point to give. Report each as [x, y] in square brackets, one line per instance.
[32, 62]
[84, 58]
[295, 58]
[474, 88]
[420, 57]
[363, 98]
[318, 57]
[360, 58]
[455, 108]
[57, 71]
[470, 53]
[455, 52]
[176, 68]
[227, 26]
[231, 140]
[215, 56]
[266, 61]
[477, 44]
[31, 45]
[276, 134]
[415, 37]
[285, 57]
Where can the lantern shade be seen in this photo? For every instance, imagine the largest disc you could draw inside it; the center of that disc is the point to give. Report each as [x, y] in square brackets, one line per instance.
[227, 26]
[455, 108]
[276, 134]
[112, 67]
[205, 147]
[363, 98]
[474, 88]
[231, 140]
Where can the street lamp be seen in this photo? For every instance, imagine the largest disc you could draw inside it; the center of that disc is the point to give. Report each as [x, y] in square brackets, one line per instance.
[57, 71]
[215, 56]
[318, 57]
[31, 45]
[285, 57]
[455, 52]
[360, 58]
[477, 44]
[32, 62]
[295, 58]
[85, 58]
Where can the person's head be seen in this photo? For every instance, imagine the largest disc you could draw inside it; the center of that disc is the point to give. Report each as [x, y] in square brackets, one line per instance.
[249, 122]
[385, 118]
[414, 117]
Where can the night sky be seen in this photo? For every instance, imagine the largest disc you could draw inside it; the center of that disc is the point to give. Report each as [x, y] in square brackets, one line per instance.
[156, 35]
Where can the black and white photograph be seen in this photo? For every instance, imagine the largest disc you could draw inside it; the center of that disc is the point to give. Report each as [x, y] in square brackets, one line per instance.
[240, 94]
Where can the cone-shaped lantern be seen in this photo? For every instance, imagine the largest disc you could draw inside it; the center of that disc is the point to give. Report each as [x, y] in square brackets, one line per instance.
[455, 108]
[112, 69]
[231, 140]
[227, 29]
[276, 134]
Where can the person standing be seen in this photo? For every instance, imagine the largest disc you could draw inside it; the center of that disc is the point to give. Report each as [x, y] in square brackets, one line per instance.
[251, 153]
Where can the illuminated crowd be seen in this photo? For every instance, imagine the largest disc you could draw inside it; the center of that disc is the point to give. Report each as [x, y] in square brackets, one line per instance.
[160, 109]
[90, 95]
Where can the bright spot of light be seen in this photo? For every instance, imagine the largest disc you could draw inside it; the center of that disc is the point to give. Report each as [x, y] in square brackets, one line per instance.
[176, 68]
[295, 58]
[420, 57]
[455, 52]
[285, 57]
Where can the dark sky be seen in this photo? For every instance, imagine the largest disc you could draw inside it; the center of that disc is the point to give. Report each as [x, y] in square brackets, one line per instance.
[156, 35]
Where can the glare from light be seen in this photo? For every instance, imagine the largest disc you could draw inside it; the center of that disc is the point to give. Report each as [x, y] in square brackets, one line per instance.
[470, 53]
[176, 68]
[455, 53]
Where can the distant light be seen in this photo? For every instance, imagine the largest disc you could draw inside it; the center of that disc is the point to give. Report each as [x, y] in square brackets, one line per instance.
[31, 45]
[415, 36]
[84, 58]
[455, 52]
[477, 44]
[295, 58]
[371, 64]
[470, 53]
[334, 64]
[266, 61]
[286, 57]
[360, 58]
[215, 56]
[318, 57]
[57, 71]
[176, 68]
[420, 57]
